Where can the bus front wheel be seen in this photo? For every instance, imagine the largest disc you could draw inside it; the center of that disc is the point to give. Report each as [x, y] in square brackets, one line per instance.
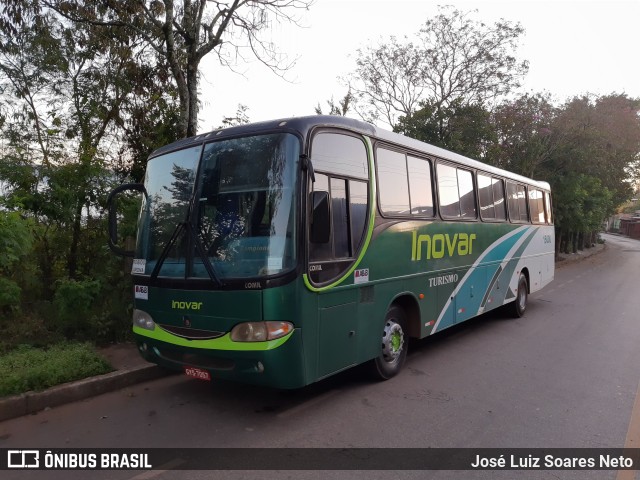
[520, 304]
[393, 345]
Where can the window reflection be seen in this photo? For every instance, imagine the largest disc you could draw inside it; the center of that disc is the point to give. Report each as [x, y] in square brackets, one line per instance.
[448, 191]
[491, 198]
[392, 175]
[456, 193]
[420, 186]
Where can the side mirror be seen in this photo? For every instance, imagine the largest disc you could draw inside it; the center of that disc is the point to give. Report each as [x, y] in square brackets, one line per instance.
[320, 220]
[113, 216]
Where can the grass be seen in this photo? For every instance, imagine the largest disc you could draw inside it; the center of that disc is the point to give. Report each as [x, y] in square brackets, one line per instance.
[28, 368]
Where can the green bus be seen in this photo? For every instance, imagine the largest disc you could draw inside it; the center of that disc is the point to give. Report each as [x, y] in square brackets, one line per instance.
[282, 252]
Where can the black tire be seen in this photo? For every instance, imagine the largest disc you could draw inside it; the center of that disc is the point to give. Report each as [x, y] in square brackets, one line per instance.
[395, 341]
[519, 306]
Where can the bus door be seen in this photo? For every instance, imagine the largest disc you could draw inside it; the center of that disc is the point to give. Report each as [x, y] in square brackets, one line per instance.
[329, 260]
[338, 316]
[339, 205]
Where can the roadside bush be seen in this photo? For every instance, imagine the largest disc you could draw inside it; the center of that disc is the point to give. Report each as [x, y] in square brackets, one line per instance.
[15, 243]
[27, 368]
[73, 301]
[9, 295]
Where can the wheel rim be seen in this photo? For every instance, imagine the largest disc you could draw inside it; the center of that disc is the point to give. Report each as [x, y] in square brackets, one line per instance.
[392, 341]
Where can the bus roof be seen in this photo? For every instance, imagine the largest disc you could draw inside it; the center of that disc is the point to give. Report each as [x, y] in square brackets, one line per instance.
[305, 124]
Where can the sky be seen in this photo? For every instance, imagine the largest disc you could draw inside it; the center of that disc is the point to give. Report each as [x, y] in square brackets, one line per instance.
[573, 48]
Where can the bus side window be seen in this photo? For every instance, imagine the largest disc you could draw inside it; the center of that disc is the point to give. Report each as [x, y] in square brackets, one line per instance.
[405, 184]
[536, 206]
[517, 200]
[522, 203]
[348, 217]
[456, 192]
[393, 182]
[467, 194]
[485, 196]
[547, 207]
[420, 190]
[497, 186]
[491, 196]
[321, 251]
[448, 191]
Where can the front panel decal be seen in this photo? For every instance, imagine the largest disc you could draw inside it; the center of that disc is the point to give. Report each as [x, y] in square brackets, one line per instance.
[361, 276]
[141, 292]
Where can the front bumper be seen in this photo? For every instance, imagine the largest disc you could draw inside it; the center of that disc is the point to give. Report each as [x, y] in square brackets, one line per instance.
[276, 363]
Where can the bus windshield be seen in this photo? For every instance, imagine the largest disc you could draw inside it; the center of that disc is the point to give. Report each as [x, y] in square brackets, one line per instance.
[228, 206]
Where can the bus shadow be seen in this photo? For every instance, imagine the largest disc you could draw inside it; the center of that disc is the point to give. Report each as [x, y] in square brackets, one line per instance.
[242, 400]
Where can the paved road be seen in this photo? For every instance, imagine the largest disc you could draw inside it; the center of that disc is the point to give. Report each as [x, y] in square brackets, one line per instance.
[566, 375]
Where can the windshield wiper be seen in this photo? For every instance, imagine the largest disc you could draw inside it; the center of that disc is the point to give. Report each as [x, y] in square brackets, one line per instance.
[180, 228]
[208, 266]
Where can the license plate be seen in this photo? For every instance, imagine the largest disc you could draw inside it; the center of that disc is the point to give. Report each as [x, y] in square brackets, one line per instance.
[197, 373]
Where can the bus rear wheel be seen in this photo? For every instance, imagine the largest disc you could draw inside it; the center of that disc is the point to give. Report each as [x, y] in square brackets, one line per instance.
[519, 306]
[393, 346]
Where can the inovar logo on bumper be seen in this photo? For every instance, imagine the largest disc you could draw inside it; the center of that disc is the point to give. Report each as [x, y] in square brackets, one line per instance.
[176, 305]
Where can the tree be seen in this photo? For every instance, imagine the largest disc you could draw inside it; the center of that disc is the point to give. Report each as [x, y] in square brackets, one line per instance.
[64, 85]
[588, 149]
[581, 203]
[464, 129]
[241, 117]
[15, 244]
[341, 108]
[183, 32]
[526, 137]
[601, 138]
[453, 58]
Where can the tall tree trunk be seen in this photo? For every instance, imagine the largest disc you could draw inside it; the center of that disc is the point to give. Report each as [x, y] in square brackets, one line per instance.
[72, 259]
[192, 86]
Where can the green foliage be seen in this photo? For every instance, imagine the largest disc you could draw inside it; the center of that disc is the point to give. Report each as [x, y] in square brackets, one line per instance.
[73, 302]
[27, 328]
[68, 91]
[15, 239]
[526, 137]
[465, 129]
[15, 244]
[601, 138]
[9, 294]
[581, 202]
[181, 34]
[240, 118]
[341, 108]
[27, 368]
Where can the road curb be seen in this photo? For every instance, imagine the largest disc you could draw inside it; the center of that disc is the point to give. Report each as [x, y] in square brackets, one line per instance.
[570, 259]
[32, 402]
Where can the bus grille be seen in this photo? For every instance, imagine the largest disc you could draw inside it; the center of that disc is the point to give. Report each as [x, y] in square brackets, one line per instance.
[191, 333]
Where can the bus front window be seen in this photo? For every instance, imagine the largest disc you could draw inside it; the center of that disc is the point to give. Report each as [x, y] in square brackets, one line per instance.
[243, 215]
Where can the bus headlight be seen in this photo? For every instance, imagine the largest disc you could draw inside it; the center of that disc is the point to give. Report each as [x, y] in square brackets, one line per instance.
[260, 331]
[143, 320]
